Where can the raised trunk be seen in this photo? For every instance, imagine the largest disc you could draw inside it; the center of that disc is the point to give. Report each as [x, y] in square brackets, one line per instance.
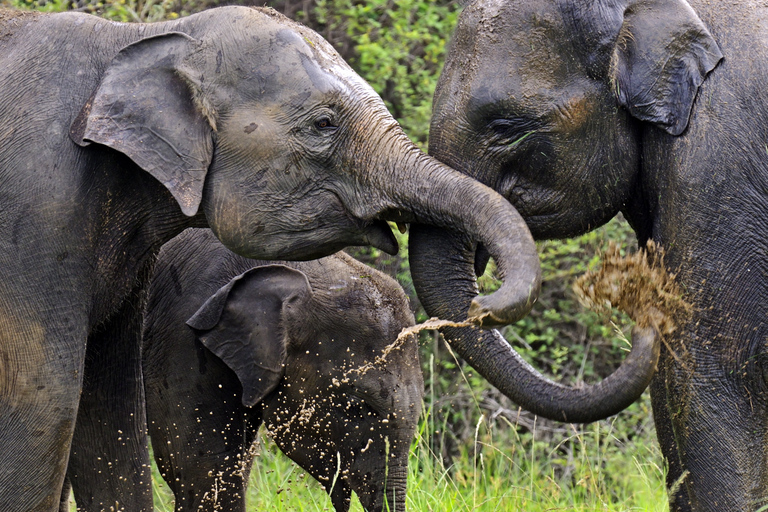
[443, 275]
[418, 188]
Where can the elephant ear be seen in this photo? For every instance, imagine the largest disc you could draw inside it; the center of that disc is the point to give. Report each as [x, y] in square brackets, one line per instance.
[662, 55]
[243, 324]
[148, 108]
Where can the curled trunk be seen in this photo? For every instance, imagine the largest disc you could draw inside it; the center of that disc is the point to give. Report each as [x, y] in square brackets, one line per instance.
[442, 265]
[418, 188]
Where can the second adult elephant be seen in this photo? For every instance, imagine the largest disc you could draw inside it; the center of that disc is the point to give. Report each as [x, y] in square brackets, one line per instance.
[309, 349]
[577, 110]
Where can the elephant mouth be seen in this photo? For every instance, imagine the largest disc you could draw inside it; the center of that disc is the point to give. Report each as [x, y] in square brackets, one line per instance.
[369, 227]
[539, 214]
[379, 235]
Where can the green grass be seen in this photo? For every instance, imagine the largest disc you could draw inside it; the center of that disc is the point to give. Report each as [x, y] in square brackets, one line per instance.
[474, 451]
[528, 476]
[504, 468]
[603, 467]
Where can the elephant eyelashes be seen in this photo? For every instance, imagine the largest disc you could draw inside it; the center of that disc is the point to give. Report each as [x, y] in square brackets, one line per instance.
[325, 124]
[512, 131]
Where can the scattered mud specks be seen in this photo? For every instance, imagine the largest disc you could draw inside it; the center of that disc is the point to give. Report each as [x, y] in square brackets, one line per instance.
[432, 323]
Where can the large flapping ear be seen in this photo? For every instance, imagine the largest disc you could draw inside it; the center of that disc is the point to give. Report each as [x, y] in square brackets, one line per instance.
[243, 323]
[662, 55]
[147, 108]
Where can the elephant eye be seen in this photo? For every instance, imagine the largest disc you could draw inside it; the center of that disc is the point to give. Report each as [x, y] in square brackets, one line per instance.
[324, 124]
[512, 131]
[358, 408]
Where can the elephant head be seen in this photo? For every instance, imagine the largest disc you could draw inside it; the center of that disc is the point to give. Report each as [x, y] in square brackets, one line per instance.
[289, 154]
[541, 101]
[318, 349]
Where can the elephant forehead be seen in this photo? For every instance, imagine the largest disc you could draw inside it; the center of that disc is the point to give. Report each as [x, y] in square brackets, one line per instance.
[276, 49]
[523, 50]
[496, 22]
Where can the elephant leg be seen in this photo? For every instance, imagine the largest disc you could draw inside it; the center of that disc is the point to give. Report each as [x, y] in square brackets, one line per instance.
[210, 482]
[66, 490]
[197, 426]
[42, 350]
[109, 465]
[718, 416]
[203, 474]
[678, 498]
[724, 434]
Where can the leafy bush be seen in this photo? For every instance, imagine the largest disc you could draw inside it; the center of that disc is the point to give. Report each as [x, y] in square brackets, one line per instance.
[399, 48]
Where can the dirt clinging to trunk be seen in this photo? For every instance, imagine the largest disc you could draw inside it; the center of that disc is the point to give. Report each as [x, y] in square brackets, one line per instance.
[637, 284]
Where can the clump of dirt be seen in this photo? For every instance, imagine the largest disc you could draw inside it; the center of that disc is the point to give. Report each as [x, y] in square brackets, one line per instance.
[637, 284]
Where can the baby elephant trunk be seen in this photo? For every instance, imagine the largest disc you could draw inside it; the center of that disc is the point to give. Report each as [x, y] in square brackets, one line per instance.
[394, 478]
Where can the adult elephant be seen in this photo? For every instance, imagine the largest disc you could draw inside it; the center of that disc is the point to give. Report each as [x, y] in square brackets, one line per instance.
[115, 137]
[575, 111]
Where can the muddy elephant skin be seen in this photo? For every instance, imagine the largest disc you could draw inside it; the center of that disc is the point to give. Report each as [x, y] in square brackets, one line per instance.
[575, 111]
[115, 137]
[319, 324]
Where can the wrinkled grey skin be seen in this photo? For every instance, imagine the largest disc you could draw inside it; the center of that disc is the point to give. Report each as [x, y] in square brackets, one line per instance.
[283, 346]
[114, 138]
[470, 132]
[577, 110]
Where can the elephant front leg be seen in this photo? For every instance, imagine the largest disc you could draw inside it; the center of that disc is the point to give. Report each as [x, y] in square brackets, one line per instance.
[203, 457]
[678, 495]
[41, 361]
[109, 465]
[721, 434]
[189, 456]
[200, 436]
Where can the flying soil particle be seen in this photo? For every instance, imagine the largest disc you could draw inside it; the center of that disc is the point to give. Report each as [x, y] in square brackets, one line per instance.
[432, 323]
[637, 284]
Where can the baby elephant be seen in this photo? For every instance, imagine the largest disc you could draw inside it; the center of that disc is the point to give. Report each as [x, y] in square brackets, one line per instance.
[310, 349]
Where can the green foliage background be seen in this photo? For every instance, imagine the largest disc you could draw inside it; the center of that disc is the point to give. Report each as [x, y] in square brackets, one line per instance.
[475, 447]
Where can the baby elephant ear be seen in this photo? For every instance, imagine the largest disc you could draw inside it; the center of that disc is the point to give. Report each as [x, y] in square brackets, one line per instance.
[146, 108]
[663, 54]
[244, 325]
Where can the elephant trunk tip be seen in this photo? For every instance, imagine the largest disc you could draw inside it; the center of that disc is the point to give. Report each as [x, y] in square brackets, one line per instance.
[507, 305]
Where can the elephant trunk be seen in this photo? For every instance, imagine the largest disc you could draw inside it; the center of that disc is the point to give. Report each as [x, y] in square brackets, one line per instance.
[396, 488]
[395, 479]
[417, 188]
[443, 275]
